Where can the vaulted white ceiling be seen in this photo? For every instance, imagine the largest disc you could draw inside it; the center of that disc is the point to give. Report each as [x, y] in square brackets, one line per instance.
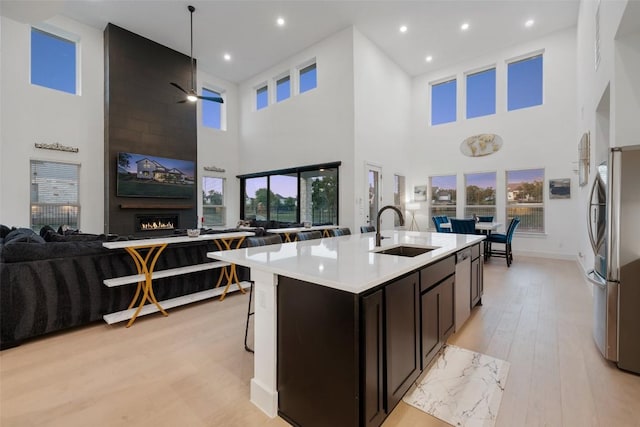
[247, 30]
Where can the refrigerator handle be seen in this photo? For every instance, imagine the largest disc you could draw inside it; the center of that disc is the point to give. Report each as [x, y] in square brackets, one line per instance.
[590, 218]
[613, 214]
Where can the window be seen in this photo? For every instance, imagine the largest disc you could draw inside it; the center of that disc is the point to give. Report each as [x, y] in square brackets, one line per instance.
[481, 194]
[262, 97]
[525, 199]
[308, 78]
[443, 196]
[53, 61]
[283, 88]
[212, 111]
[308, 193]
[319, 196]
[481, 93]
[213, 209]
[54, 194]
[255, 198]
[283, 197]
[443, 102]
[524, 83]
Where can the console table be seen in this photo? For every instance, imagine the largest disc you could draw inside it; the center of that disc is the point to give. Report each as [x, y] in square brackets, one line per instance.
[145, 263]
[287, 232]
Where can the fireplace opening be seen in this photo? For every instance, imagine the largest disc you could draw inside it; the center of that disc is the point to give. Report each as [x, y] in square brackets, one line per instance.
[155, 222]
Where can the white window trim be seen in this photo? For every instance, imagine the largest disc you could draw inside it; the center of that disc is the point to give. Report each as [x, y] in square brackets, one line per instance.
[466, 93]
[66, 35]
[51, 160]
[224, 197]
[545, 199]
[298, 69]
[275, 85]
[255, 95]
[430, 98]
[223, 106]
[520, 58]
[524, 56]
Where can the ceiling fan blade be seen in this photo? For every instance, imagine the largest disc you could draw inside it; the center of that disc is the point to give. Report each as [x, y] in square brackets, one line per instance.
[181, 102]
[211, 98]
[178, 86]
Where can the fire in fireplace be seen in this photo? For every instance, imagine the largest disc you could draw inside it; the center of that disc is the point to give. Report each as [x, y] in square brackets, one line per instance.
[154, 222]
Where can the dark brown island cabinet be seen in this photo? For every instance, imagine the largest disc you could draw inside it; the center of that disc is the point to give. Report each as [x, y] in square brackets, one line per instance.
[347, 359]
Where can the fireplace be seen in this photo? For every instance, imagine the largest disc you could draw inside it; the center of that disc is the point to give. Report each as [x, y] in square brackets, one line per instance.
[156, 222]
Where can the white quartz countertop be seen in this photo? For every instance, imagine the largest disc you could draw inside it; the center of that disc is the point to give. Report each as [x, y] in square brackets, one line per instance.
[348, 263]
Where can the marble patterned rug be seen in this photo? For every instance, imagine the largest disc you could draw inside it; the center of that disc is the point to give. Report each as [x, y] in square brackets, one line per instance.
[462, 388]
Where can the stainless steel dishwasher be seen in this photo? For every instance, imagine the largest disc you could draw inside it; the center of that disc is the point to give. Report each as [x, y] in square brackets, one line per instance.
[462, 287]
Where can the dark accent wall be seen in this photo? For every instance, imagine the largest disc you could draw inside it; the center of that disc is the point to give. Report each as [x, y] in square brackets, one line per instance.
[142, 116]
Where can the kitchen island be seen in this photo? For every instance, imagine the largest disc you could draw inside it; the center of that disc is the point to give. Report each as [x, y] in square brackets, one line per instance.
[341, 330]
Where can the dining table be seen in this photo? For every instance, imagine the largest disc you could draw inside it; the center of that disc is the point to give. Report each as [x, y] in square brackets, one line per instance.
[484, 227]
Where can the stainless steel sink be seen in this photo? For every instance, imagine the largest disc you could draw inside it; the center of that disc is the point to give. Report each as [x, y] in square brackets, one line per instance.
[408, 251]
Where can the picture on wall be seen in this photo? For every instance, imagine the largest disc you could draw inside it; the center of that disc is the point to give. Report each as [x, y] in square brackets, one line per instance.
[141, 175]
[420, 193]
[560, 188]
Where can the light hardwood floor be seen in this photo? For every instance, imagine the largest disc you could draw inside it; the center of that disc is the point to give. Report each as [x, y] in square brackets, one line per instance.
[190, 369]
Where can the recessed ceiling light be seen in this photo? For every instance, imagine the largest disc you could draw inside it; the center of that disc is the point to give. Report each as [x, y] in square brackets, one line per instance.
[529, 23]
[465, 26]
[280, 21]
[429, 58]
[403, 29]
[227, 57]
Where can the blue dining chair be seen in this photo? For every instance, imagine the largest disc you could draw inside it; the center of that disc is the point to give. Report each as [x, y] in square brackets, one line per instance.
[439, 220]
[463, 226]
[504, 239]
[367, 229]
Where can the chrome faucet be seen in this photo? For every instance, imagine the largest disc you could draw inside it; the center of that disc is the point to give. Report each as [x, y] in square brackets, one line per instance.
[382, 209]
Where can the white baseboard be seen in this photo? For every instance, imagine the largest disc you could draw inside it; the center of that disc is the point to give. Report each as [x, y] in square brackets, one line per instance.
[548, 255]
[264, 398]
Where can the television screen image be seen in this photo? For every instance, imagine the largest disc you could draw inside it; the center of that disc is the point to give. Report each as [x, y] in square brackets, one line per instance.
[140, 175]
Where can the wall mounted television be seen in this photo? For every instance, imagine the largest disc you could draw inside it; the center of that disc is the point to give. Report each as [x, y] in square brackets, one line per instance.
[141, 175]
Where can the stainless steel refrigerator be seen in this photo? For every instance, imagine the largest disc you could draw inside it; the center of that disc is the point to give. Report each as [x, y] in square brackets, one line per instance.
[614, 231]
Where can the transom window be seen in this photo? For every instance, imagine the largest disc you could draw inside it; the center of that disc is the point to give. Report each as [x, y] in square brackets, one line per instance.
[54, 194]
[283, 88]
[525, 199]
[443, 102]
[53, 61]
[481, 93]
[213, 208]
[524, 83]
[262, 97]
[481, 194]
[308, 78]
[212, 111]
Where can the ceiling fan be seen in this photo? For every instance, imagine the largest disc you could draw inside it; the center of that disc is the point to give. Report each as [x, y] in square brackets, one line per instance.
[192, 95]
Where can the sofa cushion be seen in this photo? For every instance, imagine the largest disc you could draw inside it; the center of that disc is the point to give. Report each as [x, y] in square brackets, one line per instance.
[4, 230]
[24, 235]
[79, 237]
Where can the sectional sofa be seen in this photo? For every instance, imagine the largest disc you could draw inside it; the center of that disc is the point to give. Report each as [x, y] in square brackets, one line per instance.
[54, 281]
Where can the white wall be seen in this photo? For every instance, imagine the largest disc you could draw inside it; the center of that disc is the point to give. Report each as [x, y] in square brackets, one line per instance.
[594, 85]
[310, 128]
[33, 114]
[382, 105]
[219, 148]
[538, 137]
